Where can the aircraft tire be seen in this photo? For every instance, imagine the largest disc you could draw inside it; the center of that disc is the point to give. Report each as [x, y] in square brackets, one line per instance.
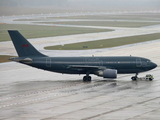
[84, 79]
[134, 78]
[87, 79]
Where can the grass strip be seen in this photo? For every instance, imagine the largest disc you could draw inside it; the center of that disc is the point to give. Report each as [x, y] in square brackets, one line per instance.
[5, 58]
[38, 31]
[107, 43]
[106, 23]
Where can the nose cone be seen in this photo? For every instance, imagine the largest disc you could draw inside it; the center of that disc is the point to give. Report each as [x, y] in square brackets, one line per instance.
[150, 66]
[154, 65]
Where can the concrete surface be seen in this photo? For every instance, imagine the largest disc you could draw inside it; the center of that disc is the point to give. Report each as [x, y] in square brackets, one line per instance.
[32, 94]
[29, 93]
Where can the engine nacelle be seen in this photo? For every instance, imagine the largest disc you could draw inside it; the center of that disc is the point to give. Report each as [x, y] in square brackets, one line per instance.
[107, 73]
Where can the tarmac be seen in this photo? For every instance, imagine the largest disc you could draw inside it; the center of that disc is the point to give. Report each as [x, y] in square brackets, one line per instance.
[31, 94]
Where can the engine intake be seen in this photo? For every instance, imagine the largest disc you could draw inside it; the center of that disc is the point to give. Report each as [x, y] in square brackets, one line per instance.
[107, 73]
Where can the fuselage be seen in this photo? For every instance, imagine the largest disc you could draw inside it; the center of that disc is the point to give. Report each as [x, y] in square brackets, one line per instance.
[106, 67]
[123, 65]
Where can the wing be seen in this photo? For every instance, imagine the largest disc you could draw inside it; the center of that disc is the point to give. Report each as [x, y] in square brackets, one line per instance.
[86, 67]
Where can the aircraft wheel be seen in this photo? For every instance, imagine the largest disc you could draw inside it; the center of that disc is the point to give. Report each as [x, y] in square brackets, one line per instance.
[84, 78]
[134, 78]
[87, 79]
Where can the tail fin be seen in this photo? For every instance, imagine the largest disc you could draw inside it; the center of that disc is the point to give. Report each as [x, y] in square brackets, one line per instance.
[22, 46]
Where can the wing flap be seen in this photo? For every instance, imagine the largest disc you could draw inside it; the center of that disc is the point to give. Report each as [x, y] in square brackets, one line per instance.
[87, 67]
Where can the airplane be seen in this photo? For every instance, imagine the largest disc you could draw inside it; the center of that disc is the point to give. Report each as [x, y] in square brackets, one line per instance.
[106, 67]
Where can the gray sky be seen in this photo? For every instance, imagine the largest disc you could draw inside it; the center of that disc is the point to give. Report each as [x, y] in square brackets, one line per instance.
[119, 3]
[85, 4]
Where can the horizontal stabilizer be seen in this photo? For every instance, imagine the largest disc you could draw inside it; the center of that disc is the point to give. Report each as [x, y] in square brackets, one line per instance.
[25, 60]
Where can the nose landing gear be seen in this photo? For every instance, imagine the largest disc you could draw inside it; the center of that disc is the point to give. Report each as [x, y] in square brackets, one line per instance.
[147, 77]
[134, 78]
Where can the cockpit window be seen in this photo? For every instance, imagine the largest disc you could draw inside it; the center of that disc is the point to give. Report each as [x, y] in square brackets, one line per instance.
[148, 61]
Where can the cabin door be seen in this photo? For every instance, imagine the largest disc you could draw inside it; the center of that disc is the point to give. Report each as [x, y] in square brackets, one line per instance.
[48, 62]
[100, 63]
[138, 62]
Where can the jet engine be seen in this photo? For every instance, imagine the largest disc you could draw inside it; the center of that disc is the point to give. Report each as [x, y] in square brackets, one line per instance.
[107, 73]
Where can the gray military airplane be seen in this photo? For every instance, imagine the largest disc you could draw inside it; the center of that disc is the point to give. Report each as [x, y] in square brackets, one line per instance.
[106, 67]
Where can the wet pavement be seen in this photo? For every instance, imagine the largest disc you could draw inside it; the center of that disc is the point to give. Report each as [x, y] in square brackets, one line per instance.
[31, 94]
[28, 93]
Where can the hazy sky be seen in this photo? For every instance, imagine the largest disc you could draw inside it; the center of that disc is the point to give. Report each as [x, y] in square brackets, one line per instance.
[94, 4]
[119, 3]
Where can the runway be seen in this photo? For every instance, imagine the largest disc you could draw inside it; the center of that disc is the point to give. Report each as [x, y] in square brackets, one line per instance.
[72, 99]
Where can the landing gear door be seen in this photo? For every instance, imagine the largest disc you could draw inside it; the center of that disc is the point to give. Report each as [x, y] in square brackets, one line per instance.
[48, 62]
[138, 63]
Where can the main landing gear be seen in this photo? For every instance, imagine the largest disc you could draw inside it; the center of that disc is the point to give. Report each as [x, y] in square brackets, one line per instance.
[87, 78]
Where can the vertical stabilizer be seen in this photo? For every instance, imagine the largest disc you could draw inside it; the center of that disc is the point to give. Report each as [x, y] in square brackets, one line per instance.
[22, 46]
